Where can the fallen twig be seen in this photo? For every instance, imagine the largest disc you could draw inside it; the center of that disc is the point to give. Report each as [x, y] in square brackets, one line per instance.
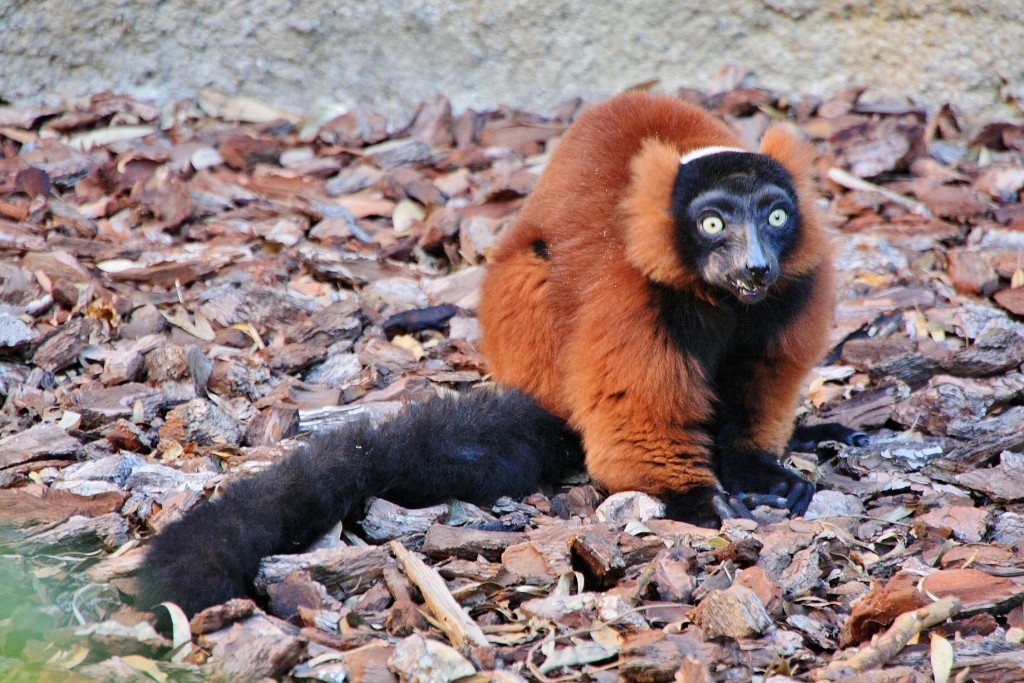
[852, 182]
[888, 645]
[459, 628]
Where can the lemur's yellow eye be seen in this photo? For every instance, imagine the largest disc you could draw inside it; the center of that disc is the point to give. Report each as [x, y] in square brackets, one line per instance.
[778, 218]
[712, 225]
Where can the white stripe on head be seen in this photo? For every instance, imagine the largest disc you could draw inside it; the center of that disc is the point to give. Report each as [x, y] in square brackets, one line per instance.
[708, 151]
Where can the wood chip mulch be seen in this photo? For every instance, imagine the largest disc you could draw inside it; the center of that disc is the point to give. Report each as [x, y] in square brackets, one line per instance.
[186, 289]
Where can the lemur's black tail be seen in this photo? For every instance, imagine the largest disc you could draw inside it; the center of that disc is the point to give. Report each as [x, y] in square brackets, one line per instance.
[475, 447]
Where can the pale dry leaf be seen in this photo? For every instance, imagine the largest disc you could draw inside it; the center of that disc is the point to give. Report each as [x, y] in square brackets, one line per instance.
[146, 666]
[205, 157]
[942, 658]
[69, 659]
[922, 588]
[23, 137]
[635, 527]
[117, 265]
[718, 542]
[609, 638]
[410, 344]
[821, 392]
[1017, 280]
[181, 632]
[565, 583]
[199, 328]
[244, 109]
[835, 373]
[404, 213]
[172, 452]
[107, 136]
[138, 411]
[896, 514]
[587, 652]
[324, 658]
[70, 420]
[510, 637]
[421, 659]
[321, 113]
[804, 465]
[852, 182]
[504, 676]
[873, 279]
[249, 331]
[452, 619]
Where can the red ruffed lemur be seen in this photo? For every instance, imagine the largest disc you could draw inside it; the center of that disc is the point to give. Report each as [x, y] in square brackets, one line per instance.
[654, 309]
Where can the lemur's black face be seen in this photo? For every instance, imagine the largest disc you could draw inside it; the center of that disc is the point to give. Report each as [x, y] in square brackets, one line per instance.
[736, 217]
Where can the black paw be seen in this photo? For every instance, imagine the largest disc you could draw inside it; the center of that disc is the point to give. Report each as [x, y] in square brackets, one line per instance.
[794, 496]
[730, 507]
[807, 437]
[797, 493]
[706, 506]
[758, 478]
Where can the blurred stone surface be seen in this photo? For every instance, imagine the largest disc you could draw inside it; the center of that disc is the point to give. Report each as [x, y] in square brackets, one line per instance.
[389, 55]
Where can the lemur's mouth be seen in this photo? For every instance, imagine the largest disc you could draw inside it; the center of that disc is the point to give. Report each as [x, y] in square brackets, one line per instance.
[749, 291]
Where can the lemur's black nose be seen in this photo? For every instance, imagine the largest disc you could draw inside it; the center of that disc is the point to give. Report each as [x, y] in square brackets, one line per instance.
[757, 273]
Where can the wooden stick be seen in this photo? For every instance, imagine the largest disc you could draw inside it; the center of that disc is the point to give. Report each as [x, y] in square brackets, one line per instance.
[852, 182]
[455, 623]
[888, 645]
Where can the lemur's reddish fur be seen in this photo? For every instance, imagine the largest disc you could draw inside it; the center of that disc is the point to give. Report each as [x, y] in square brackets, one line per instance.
[566, 307]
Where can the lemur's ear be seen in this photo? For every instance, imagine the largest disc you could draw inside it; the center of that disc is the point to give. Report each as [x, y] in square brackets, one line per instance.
[796, 154]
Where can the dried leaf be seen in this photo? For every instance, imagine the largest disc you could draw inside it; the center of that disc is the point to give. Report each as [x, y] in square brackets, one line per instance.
[107, 136]
[146, 666]
[404, 213]
[250, 332]
[607, 637]
[1018, 278]
[411, 344]
[240, 108]
[942, 658]
[181, 632]
[586, 652]
[200, 328]
[70, 420]
[118, 265]
[420, 659]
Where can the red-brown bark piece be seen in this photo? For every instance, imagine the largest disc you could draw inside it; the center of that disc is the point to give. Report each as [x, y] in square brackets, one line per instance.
[38, 505]
[272, 425]
[448, 541]
[252, 649]
[595, 549]
[1011, 299]
[217, 617]
[977, 591]
[972, 272]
